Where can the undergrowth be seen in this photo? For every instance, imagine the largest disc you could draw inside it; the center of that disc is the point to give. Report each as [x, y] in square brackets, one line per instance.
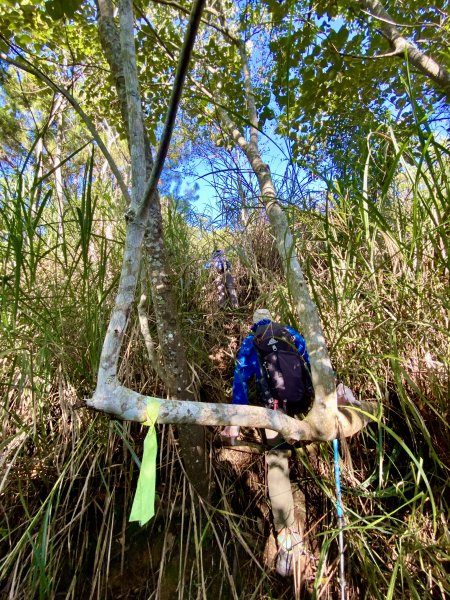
[376, 261]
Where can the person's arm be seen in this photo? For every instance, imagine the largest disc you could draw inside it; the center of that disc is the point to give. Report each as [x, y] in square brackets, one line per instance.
[345, 396]
[300, 344]
[244, 369]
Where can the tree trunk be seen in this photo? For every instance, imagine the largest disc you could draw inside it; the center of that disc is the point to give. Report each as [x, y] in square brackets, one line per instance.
[119, 51]
[323, 415]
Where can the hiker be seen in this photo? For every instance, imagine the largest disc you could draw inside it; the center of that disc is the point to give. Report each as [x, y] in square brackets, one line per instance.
[223, 278]
[277, 357]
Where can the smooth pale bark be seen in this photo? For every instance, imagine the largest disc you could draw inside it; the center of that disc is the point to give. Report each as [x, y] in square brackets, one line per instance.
[424, 63]
[127, 404]
[322, 417]
[110, 42]
[107, 374]
[144, 219]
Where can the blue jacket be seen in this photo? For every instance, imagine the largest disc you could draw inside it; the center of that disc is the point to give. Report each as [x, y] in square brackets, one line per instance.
[247, 363]
[219, 262]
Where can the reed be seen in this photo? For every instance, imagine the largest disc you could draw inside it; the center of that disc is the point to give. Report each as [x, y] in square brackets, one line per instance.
[376, 260]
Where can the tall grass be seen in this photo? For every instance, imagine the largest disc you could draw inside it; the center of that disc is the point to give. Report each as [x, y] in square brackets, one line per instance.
[56, 462]
[376, 259]
[382, 276]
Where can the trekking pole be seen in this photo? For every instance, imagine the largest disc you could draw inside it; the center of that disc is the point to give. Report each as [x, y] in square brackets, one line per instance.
[340, 519]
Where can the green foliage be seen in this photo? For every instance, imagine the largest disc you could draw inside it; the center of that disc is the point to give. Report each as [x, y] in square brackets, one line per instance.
[375, 249]
[330, 89]
[58, 9]
[377, 267]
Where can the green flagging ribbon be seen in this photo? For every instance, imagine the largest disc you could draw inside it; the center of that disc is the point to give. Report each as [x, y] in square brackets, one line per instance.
[143, 507]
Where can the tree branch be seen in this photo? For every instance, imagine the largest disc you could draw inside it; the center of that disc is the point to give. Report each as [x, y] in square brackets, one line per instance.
[133, 101]
[127, 404]
[182, 67]
[374, 57]
[424, 63]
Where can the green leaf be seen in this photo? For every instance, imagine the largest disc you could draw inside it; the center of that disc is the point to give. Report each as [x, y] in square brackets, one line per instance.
[71, 6]
[23, 39]
[55, 9]
[58, 9]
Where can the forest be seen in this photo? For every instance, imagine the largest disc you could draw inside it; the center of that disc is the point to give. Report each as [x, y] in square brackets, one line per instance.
[310, 142]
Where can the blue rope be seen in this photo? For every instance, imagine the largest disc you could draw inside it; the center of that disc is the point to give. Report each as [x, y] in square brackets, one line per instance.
[340, 519]
[337, 475]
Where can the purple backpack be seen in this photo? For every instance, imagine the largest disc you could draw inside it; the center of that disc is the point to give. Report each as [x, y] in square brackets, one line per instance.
[284, 369]
[220, 262]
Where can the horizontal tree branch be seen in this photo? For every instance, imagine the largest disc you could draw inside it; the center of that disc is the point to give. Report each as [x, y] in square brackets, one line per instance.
[372, 57]
[129, 405]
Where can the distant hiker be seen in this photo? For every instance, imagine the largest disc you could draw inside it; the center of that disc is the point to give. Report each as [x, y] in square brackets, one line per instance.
[223, 278]
[276, 356]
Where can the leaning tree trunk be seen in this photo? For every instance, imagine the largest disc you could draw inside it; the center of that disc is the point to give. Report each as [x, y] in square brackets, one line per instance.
[119, 51]
[323, 416]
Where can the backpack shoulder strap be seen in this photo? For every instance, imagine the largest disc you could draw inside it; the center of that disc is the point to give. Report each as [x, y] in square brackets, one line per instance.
[263, 384]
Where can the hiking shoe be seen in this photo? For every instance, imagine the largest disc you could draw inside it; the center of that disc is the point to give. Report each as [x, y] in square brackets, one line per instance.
[290, 549]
